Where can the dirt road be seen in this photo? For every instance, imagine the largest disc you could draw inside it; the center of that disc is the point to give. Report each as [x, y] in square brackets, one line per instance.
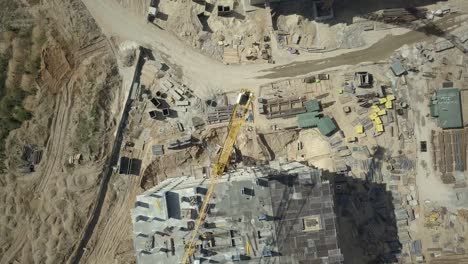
[206, 75]
[202, 73]
[379, 51]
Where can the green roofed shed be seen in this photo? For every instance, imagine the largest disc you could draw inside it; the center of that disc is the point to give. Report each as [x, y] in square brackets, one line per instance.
[308, 115]
[312, 105]
[449, 108]
[308, 123]
[307, 120]
[397, 68]
[326, 126]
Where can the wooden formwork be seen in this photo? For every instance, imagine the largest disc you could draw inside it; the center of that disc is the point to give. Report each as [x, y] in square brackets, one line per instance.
[283, 107]
[450, 150]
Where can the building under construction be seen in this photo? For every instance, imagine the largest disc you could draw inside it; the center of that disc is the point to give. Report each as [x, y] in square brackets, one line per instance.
[276, 214]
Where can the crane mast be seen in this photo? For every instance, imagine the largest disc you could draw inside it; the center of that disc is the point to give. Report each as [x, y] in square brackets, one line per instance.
[239, 114]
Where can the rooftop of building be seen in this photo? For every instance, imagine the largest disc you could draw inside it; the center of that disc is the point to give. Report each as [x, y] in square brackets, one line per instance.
[312, 105]
[283, 213]
[312, 118]
[447, 108]
[326, 126]
[397, 68]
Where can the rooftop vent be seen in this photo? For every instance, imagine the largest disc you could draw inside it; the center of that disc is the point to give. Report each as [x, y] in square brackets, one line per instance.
[297, 196]
[311, 223]
[248, 191]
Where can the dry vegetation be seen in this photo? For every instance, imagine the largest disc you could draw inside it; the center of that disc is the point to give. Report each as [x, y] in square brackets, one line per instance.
[19, 65]
[55, 93]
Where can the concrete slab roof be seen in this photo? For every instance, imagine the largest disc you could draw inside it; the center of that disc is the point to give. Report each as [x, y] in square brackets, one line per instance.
[300, 201]
[243, 216]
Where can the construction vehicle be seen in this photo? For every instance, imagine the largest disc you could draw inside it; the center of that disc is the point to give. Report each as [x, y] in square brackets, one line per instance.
[239, 115]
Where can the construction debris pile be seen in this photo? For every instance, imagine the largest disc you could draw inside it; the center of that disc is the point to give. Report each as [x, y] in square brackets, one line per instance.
[226, 30]
[163, 114]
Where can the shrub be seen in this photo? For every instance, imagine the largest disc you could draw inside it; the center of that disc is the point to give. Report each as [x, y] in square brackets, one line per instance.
[21, 114]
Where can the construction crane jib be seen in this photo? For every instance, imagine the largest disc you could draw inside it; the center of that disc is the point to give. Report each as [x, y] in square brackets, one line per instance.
[239, 115]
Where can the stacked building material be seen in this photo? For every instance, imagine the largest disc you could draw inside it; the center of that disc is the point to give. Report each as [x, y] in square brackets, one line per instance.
[449, 150]
[285, 107]
[220, 114]
[181, 143]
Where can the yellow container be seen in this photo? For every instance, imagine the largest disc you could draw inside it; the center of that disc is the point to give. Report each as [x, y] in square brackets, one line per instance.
[378, 121]
[379, 128]
[373, 116]
[389, 105]
[359, 129]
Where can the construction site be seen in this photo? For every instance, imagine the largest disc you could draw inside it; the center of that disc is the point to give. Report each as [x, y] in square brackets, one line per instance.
[235, 131]
[249, 210]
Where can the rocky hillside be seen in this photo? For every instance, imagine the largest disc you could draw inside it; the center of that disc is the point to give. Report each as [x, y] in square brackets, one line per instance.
[58, 78]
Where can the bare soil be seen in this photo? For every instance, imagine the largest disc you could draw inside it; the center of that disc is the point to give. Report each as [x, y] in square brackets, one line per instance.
[43, 212]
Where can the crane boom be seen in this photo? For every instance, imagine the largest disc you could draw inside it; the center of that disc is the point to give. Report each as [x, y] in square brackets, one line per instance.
[239, 114]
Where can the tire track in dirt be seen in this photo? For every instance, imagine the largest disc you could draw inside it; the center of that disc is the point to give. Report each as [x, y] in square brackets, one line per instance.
[112, 228]
[57, 140]
[94, 218]
[99, 45]
[65, 103]
[15, 248]
[54, 149]
[50, 173]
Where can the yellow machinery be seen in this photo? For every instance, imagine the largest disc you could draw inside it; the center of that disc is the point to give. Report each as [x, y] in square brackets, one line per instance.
[239, 114]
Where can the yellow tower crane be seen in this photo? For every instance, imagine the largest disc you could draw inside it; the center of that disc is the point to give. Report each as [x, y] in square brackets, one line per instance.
[239, 114]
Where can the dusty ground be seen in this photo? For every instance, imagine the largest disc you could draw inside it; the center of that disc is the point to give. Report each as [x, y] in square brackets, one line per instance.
[43, 212]
[205, 74]
[316, 150]
[380, 50]
[79, 91]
